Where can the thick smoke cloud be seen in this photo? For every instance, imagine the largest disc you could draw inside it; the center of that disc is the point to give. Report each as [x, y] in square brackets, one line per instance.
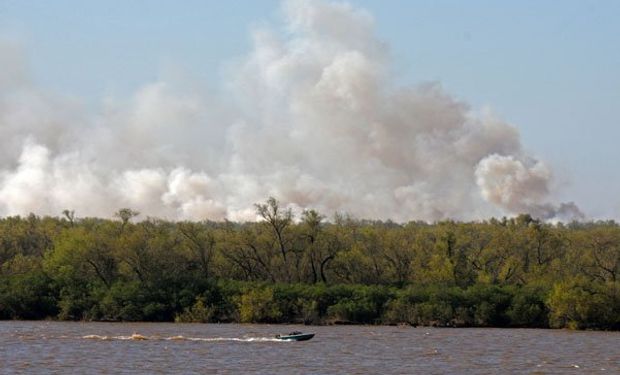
[508, 182]
[311, 116]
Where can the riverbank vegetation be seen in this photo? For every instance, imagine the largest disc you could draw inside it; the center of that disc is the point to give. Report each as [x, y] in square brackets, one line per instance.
[516, 272]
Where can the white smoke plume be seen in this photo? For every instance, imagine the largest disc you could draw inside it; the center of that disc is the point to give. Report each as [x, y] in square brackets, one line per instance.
[311, 116]
[508, 182]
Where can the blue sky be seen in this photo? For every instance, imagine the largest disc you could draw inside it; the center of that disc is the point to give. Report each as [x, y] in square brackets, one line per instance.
[550, 68]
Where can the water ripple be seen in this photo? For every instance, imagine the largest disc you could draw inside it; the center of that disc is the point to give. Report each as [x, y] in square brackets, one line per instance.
[128, 348]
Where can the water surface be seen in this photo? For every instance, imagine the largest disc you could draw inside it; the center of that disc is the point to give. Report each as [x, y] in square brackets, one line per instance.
[162, 348]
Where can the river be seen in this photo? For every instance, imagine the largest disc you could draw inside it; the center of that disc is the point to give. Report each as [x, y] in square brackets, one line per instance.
[165, 348]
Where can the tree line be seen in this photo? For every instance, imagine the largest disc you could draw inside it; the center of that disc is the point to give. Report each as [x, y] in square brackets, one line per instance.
[509, 272]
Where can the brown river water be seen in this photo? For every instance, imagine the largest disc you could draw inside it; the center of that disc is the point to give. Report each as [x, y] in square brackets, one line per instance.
[166, 348]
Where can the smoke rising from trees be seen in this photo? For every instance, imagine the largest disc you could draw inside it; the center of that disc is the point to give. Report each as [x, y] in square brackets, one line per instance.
[310, 116]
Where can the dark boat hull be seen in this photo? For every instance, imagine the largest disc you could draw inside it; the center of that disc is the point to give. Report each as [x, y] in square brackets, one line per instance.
[300, 337]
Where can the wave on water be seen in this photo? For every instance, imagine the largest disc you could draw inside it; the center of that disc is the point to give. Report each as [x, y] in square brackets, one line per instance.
[240, 339]
[97, 337]
[138, 337]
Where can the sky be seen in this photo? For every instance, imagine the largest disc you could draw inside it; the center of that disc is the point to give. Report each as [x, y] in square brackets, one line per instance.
[549, 69]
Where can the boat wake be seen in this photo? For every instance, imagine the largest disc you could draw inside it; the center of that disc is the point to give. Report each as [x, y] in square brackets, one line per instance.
[138, 337]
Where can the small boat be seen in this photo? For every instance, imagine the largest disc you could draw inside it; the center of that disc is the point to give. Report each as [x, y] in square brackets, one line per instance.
[295, 336]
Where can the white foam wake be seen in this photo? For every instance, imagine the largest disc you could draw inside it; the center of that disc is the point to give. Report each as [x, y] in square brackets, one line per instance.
[139, 337]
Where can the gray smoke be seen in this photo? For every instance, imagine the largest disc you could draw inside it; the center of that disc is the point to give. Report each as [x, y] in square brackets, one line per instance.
[311, 116]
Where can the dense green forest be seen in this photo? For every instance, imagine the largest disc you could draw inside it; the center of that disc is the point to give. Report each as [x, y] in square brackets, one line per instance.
[516, 272]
